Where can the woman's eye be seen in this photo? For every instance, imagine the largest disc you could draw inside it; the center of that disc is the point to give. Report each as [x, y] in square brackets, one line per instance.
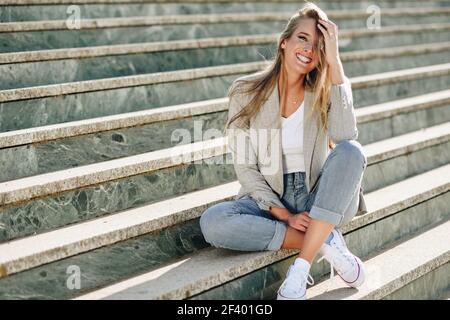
[302, 38]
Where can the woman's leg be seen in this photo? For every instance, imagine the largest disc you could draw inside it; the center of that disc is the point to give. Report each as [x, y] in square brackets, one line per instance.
[315, 236]
[335, 194]
[294, 239]
[334, 202]
[241, 225]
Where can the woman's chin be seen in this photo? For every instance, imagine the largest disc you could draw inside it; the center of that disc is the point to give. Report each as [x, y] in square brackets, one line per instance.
[299, 68]
[302, 69]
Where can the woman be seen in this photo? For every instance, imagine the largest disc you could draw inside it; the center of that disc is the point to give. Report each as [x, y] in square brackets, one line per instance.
[304, 98]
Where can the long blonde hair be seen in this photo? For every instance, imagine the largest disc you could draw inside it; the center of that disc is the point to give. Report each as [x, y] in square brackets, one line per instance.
[318, 80]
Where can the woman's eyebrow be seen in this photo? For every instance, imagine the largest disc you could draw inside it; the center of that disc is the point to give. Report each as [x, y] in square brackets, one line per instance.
[304, 33]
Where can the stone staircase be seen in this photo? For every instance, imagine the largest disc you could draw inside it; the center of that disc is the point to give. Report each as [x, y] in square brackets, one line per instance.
[93, 174]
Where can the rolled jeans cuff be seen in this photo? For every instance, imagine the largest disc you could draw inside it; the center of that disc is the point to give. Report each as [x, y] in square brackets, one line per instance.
[278, 238]
[325, 215]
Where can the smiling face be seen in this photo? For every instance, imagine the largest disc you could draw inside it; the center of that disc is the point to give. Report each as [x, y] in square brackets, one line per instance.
[301, 53]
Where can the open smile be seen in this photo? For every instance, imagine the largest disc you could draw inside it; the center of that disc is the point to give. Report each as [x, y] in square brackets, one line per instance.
[303, 59]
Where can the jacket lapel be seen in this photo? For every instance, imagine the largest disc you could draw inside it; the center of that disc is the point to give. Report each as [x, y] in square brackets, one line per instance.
[270, 114]
[269, 118]
[309, 136]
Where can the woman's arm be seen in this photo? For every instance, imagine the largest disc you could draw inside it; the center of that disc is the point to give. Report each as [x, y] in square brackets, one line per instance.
[341, 115]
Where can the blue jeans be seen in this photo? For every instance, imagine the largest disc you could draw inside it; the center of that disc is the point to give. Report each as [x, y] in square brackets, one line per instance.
[241, 225]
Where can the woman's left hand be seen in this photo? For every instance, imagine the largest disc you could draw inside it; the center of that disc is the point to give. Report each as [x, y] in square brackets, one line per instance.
[330, 33]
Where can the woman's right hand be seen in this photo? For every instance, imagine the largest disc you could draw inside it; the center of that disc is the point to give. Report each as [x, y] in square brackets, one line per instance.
[299, 221]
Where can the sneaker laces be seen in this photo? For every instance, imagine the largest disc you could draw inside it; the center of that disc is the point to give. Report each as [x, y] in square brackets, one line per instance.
[296, 278]
[332, 265]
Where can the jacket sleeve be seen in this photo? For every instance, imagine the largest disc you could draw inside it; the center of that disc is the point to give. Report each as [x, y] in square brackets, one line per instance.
[245, 160]
[341, 113]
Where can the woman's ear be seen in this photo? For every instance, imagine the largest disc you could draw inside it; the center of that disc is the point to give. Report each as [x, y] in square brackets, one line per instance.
[283, 44]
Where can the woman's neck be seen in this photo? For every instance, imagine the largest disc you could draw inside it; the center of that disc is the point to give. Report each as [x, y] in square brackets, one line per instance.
[292, 82]
[290, 92]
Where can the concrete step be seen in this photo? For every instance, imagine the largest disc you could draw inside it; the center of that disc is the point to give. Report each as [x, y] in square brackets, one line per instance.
[390, 119]
[44, 202]
[37, 106]
[53, 34]
[90, 235]
[104, 266]
[390, 164]
[123, 122]
[393, 272]
[139, 132]
[431, 286]
[54, 10]
[171, 56]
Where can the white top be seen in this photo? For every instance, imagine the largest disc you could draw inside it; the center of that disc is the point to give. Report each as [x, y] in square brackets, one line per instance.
[292, 141]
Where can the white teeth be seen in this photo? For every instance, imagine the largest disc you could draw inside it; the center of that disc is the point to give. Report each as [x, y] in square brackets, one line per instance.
[303, 59]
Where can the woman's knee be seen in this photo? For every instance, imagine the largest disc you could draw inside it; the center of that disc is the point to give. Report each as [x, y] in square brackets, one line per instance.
[211, 221]
[353, 152]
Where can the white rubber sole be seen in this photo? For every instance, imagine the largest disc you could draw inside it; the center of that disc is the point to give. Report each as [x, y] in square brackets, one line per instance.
[280, 297]
[361, 276]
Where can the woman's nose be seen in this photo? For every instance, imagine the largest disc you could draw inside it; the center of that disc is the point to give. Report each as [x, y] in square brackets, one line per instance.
[308, 47]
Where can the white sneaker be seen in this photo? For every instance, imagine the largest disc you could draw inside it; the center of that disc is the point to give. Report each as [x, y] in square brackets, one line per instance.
[294, 286]
[348, 266]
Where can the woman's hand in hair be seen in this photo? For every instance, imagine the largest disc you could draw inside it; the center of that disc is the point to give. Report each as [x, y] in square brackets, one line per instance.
[299, 221]
[330, 33]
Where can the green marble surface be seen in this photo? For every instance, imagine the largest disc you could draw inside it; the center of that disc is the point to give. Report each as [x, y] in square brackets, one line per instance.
[80, 205]
[400, 168]
[52, 12]
[38, 112]
[20, 75]
[373, 131]
[372, 66]
[92, 148]
[431, 286]
[392, 40]
[105, 265]
[40, 215]
[40, 40]
[49, 72]
[87, 149]
[399, 90]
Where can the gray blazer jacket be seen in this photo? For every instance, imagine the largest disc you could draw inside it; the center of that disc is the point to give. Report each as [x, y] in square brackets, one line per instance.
[256, 146]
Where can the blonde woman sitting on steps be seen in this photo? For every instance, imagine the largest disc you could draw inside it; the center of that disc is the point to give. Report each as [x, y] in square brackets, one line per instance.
[296, 190]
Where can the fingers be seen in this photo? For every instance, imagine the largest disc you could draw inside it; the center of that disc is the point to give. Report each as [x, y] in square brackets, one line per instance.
[305, 219]
[328, 27]
[329, 22]
[300, 228]
[324, 31]
[301, 222]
